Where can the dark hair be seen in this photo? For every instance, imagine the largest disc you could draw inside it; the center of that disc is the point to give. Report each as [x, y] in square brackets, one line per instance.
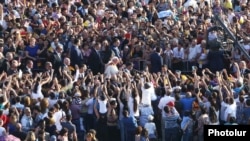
[203, 110]
[52, 95]
[36, 85]
[166, 109]
[38, 108]
[144, 133]
[68, 117]
[135, 102]
[125, 113]
[248, 102]
[63, 131]
[138, 130]
[212, 115]
[113, 102]
[146, 86]
[57, 106]
[158, 49]
[232, 119]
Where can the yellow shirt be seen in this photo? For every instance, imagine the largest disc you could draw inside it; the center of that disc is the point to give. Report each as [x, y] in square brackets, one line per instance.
[228, 4]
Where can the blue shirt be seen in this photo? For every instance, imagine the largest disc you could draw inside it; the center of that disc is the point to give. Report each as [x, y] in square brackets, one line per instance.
[187, 103]
[32, 50]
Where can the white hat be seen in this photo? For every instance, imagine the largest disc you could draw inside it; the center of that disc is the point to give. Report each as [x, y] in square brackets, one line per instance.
[112, 99]
[77, 95]
[150, 118]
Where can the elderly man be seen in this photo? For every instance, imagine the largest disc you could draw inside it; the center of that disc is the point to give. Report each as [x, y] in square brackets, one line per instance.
[26, 120]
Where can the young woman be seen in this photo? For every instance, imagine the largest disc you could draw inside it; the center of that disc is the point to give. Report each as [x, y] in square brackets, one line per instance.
[112, 121]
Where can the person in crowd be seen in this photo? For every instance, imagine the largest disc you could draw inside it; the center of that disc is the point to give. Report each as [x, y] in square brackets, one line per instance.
[156, 60]
[129, 125]
[151, 128]
[94, 60]
[187, 126]
[70, 126]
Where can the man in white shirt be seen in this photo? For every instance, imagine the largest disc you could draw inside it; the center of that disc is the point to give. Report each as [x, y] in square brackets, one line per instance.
[192, 54]
[148, 94]
[178, 55]
[163, 102]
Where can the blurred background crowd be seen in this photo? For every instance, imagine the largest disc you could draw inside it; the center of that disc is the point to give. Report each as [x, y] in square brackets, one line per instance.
[122, 70]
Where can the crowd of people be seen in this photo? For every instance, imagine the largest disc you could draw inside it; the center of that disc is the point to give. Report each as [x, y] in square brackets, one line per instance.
[120, 70]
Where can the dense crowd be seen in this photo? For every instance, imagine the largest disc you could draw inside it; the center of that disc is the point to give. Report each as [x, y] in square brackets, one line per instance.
[120, 70]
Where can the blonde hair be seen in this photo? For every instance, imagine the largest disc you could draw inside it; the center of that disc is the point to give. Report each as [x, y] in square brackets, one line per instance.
[27, 101]
[30, 136]
[44, 104]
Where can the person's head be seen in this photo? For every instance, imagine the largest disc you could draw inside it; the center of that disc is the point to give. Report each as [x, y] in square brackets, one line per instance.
[138, 130]
[231, 100]
[19, 127]
[29, 64]
[56, 107]
[248, 102]
[129, 65]
[125, 113]
[41, 134]
[82, 68]
[44, 104]
[27, 101]
[48, 65]
[116, 42]
[144, 133]
[42, 124]
[76, 41]
[158, 50]
[150, 118]
[170, 104]
[89, 136]
[59, 48]
[115, 60]
[30, 136]
[97, 46]
[27, 111]
[66, 61]
[113, 103]
[32, 42]
[188, 94]
[37, 109]
[203, 110]
[242, 65]
[1, 123]
[9, 56]
[232, 119]
[14, 63]
[68, 117]
[167, 110]
[13, 119]
[93, 132]
[164, 68]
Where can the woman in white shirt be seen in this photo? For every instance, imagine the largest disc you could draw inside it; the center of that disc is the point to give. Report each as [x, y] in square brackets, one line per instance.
[37, 94]
[100, 106]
